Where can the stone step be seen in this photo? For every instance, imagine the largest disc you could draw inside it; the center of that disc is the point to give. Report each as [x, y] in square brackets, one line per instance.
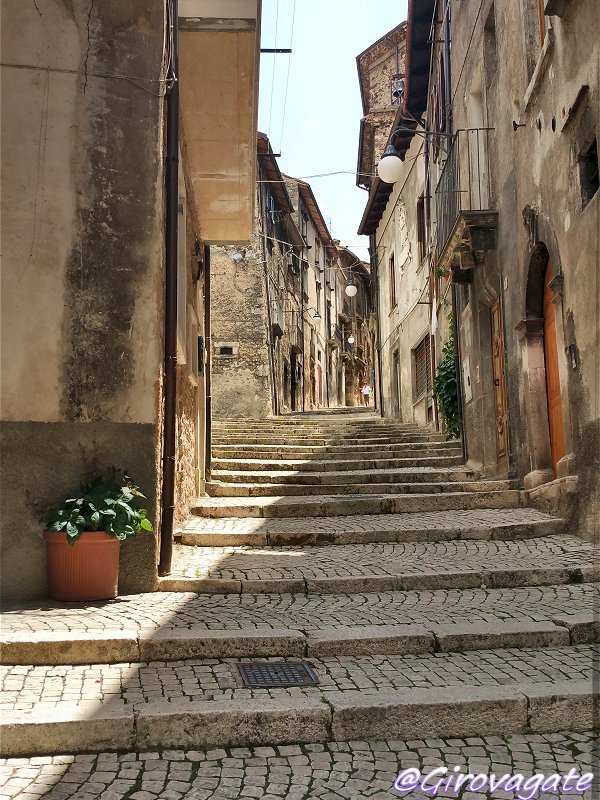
[219, 489]
[168, 625]
[200, 702]
[334, 476]
[351, 569]
[434, 526]
[330, 770]
[411, 458]
[128, 645]
[326, 441]
[309, 448]
[341, 505]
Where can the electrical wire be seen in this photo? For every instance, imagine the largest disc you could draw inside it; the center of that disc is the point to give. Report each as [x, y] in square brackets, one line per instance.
[273, 70]
[287, 78]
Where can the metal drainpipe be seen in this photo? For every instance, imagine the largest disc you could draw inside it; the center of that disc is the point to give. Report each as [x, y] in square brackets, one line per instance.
[272, 374]
[207, 367]
[373, 249]
[170, 365]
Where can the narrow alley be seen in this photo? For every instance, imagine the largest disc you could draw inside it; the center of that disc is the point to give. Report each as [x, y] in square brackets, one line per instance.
[300, 400]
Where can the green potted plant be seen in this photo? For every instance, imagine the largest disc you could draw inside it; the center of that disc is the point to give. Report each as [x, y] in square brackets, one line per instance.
[83, 537]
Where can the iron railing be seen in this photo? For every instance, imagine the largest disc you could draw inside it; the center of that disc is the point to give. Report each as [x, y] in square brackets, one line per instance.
[465, 182]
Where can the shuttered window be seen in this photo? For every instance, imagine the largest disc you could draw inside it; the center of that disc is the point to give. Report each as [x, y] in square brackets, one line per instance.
[422, 367]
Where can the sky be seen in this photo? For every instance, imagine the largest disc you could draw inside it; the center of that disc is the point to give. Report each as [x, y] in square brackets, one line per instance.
[312, 115]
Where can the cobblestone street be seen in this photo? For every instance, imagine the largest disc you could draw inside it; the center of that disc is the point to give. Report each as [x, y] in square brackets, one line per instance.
[332, 771]
[471, 628]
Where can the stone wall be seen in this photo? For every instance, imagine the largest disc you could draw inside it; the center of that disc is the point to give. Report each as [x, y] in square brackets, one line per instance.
[82, 287]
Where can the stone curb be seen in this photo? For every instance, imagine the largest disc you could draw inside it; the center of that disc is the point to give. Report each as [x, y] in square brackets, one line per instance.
[348, 505]
[364, 584]
[177, 644]
[526, 530]
[225, 490]
[342, 716]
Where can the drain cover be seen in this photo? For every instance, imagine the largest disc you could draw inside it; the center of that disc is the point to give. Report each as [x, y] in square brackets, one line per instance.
[256, 675]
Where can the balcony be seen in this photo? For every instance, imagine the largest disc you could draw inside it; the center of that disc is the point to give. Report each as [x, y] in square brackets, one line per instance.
[466, 221]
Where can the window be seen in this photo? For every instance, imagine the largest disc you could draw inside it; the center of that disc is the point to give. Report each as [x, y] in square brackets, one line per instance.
[393, 299]
[317, 251]
[588, 171]
[422, 368]
[318, 287]
[534, 32]
[490, 48]
[225, 350]
[421, 236]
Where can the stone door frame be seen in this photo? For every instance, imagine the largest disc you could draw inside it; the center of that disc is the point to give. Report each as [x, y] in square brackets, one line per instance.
[531, 338]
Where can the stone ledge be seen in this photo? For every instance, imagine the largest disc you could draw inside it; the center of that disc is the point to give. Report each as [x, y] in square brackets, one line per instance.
[462, 711]
[178, 644]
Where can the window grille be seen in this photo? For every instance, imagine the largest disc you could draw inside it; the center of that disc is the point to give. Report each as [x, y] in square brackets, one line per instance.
[422, 366]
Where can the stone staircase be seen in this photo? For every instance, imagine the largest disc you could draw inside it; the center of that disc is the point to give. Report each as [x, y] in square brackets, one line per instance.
[429, 603]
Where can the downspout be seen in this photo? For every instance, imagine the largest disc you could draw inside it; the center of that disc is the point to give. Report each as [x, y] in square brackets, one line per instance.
[170, 364]
[373, 250]
[207, 367]
[303, 337]
[274, 403]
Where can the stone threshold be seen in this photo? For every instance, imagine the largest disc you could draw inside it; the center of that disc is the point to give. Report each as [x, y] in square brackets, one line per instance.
[340, 716]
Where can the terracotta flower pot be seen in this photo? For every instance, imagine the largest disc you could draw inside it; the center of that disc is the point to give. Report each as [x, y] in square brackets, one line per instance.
[86, 570]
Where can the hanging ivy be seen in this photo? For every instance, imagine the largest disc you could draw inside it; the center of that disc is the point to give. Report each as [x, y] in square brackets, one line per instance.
[445, 390]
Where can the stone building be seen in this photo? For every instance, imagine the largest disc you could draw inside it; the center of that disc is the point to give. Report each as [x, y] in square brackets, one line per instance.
[393, 218]
[106, 273]
[510, 116]
[257, 349]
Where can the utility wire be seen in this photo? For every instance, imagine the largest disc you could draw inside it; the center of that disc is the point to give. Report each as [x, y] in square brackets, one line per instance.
[287, 78]
[273, 70]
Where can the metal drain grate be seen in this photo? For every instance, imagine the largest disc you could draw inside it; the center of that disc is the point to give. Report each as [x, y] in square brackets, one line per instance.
[257, 675]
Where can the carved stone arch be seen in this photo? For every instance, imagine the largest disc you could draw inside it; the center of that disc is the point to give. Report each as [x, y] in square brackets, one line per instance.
[534, 292]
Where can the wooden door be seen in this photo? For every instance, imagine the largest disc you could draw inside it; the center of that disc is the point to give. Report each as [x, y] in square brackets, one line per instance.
[555, 418]
[320, 380]
[499, 385]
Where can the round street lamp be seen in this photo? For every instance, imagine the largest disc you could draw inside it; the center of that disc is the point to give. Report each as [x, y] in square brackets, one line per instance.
[351, 290]
[389, 168]
[351, 340]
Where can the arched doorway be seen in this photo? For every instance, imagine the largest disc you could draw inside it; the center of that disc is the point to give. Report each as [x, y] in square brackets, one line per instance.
[555, 415]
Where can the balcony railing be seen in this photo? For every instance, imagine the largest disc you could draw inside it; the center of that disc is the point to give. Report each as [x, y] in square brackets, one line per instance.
[464, 183]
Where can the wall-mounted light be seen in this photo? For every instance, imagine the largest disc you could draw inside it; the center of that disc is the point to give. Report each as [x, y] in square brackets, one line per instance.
[317, 316]
[389, 168]
[350, 339]
[238, 256]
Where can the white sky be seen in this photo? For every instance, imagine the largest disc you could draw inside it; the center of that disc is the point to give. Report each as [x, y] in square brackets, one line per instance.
[316, 126]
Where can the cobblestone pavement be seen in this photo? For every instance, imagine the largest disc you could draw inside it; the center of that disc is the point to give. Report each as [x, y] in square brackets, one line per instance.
[25, 687]
[312, 612]
[248, 563]
[334, 771]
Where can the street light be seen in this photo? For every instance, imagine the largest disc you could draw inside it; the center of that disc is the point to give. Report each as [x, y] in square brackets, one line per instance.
[351, 290]
[389, 168]
[350, 339]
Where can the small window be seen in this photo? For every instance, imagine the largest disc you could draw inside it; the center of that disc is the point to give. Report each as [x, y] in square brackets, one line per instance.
[421, 227]
[588, 171]
[422, 368]
[225, 351]
[393, 299]
[490, 51]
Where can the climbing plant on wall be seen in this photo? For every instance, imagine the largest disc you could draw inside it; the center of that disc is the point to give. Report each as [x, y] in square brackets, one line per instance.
[445, 390]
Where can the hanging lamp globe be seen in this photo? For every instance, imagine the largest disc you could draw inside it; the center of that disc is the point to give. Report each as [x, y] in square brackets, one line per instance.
[351, 290]
[351, 340]
[389, 168]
